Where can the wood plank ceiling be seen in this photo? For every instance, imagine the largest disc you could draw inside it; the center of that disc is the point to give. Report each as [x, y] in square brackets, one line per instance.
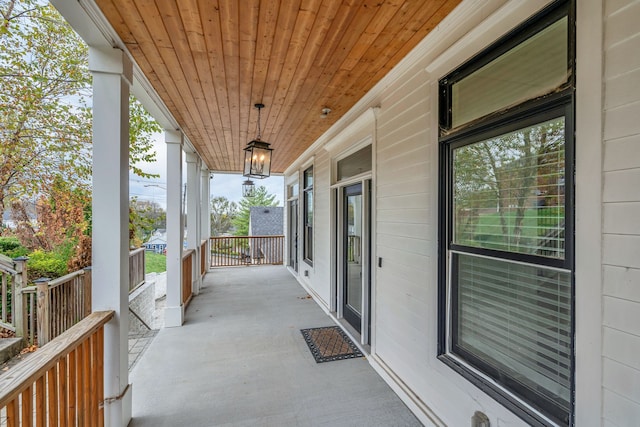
[211, 60]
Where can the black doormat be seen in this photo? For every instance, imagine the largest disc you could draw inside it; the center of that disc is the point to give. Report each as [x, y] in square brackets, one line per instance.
[330, 343]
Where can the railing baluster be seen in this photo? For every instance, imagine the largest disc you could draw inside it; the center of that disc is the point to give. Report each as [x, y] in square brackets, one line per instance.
[4, 296]
[73, 387]
[26, 406]
[41, 407]
[52, 396]
[12, 414]
[62, 391]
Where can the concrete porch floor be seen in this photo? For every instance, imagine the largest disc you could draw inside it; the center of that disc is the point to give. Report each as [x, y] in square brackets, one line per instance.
[240, 360]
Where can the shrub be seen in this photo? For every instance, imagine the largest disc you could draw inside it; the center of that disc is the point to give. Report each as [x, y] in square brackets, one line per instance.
[47, 264]
[11, 247]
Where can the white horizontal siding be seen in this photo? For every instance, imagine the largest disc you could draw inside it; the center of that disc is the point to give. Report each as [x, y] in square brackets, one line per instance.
[621, 213]
[622, 218]
[321, 223]
[620, 410]
[622, 282]
[622, 378]
[623, 153]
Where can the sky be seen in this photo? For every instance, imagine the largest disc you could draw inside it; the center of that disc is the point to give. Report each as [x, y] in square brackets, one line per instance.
[227, 185]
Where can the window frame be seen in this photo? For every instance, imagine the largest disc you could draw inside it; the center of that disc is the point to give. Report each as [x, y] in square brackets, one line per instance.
[561, 102]
[307, 246]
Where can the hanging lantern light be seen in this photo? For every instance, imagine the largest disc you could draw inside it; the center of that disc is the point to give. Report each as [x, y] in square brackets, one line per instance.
[247, 188]
[257, 155]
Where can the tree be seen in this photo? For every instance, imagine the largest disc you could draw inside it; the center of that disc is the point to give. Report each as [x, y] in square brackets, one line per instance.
[508, 174]
[223, 213]
[260, 197]
[144, 217]
[45, 86]
[43, 83]
[61, 213]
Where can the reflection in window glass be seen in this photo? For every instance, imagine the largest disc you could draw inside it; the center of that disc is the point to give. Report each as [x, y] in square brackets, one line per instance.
[307, 183]
[509, 191]
[355, 164]
[530, 69]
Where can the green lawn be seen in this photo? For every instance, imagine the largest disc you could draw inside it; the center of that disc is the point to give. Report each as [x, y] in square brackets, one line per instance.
[155, 263]
[487, 231]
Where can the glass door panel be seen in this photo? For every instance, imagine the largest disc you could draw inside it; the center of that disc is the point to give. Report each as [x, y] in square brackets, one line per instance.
[353, 221]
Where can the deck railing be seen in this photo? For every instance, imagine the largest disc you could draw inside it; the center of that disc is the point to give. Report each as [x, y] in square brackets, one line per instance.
[136, 268]
[61, 384]
[62, 303]
[187, 275]
[13, 305]
[203, 257]
[246, 250]
[49, 307]
[7, 292]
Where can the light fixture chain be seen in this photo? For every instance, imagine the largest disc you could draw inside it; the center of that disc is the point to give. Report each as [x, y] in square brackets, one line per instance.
[259, 132]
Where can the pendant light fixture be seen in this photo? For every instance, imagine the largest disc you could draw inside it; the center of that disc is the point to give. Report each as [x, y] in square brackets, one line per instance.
[257, 155]
[247, 188]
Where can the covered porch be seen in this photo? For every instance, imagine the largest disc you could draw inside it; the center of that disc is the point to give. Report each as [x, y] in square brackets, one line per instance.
[240, 359]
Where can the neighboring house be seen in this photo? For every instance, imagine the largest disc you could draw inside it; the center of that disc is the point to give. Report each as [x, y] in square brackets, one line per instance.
[157, 243]
[266, 221]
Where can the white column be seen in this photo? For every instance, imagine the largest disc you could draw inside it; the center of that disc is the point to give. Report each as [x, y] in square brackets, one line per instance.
[112, 76]
[174, 311]
[193, 215]
[205, 214]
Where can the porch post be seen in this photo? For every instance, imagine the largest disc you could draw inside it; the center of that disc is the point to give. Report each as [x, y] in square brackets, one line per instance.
[205, 215]
[193, 216]
[112, 76]
[174, 311]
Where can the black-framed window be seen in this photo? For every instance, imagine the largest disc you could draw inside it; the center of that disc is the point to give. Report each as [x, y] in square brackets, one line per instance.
[506, 219]
[307, 220]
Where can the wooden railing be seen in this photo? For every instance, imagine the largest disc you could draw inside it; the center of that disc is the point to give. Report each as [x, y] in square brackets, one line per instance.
[7, 293]
[62, 383]
[187, 275]
[30, 314]
[46, 309]
[62, 303]
[12, 305]
[246, 250]
[136, 268]
[203, 257]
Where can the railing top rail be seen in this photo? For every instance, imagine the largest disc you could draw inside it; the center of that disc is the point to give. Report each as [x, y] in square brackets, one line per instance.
[30, 290]
[187, 253]
[6, 269]
[64, 279]
[136, 251]
[12, 382]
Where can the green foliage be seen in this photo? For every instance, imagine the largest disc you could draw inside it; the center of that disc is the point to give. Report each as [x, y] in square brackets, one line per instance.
[51, 264]
[44, 81]
[223, 213]
[11, 247]
[141, 127]
[260, 197]
[155, 263]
